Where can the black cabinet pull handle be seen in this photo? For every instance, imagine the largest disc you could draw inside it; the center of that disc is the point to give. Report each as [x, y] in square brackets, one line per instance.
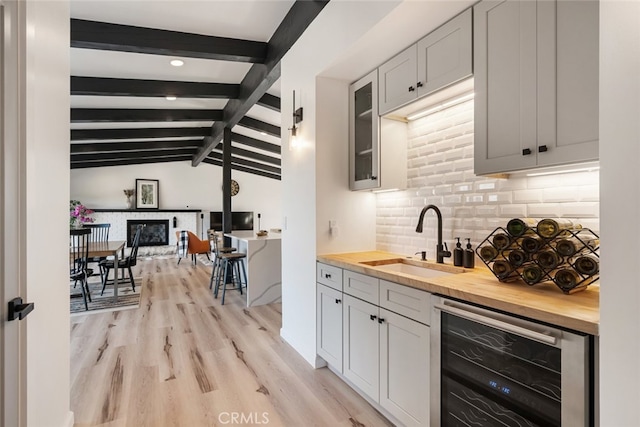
[526, 151]
[411, 88]
[373, 317]
[373, 178]
[419, 84]
[542, 149]
[327, 276]
[381, 320]
[338, 301]
[18, 310]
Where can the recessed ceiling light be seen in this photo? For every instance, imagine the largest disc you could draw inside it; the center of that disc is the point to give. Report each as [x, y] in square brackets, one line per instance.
[177, 62]
[170, 98]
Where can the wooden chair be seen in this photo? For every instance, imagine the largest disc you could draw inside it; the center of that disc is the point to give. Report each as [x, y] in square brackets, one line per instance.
[195, 246]
[99, 233]
[78, 255]
[126, 263]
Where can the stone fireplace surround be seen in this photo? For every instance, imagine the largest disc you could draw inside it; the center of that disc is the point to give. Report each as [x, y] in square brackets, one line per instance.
[186, 219]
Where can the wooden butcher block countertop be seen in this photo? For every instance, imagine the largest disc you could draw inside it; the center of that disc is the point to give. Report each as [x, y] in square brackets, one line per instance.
[543, 302]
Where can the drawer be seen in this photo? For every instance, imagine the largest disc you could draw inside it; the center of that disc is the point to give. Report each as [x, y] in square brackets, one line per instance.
[409, 302]
[329, 275]
[361, 286]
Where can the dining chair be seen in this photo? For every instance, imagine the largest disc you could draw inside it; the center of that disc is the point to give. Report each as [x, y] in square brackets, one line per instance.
[125, 263]
[99, 233]
[78, 255]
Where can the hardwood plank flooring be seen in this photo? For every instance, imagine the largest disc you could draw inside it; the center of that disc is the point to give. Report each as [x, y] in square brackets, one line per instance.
[182, 359]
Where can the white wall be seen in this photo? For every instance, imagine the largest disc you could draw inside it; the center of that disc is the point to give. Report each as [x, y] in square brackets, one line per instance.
[181, 186]
[311, 175]
[47, 192]
[440, 172]
[620, 210]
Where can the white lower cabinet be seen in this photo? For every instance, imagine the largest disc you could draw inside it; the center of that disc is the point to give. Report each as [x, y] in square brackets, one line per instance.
[329, 325]
[404, 368]
[387, 357]
[361, 345]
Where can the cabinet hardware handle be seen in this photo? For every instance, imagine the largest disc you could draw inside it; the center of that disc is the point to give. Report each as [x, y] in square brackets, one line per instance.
[526, 151]
[373, 317]
[327, 276]
[373, 178]
[542, 149]
[411, 88]
[338, 301]
[381, 320]
[419, 84]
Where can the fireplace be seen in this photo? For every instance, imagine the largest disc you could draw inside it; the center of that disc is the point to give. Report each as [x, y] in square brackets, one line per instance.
[154, 233]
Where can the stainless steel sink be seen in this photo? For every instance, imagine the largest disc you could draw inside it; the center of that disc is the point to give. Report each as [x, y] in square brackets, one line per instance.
[414, 267]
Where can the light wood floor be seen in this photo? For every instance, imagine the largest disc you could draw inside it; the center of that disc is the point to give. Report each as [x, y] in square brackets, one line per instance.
[182, 359]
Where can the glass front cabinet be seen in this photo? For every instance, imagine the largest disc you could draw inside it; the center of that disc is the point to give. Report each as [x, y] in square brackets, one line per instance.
[364, 133]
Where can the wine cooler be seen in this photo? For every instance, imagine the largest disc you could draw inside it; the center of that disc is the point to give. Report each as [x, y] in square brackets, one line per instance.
[491, 369]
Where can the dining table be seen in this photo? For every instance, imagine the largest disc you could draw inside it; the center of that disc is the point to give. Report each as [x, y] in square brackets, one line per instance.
[114, 248]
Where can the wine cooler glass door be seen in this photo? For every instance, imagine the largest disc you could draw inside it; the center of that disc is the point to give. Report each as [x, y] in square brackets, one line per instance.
[493, 369]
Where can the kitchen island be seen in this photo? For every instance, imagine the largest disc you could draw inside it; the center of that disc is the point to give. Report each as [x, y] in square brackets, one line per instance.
[543, 302]
[263, 265]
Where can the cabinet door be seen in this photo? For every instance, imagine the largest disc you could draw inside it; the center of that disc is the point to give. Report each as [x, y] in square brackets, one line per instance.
[360, 334]
[505, 86]
[568, 65]
[329, 275]
[361, 286]
[445, 55]
[364, 133]
[398, 79]
[329, 325]
[404, 368]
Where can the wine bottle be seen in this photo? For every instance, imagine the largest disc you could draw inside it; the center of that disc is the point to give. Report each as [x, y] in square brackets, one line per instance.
[548, 259]
[518, 226]
[488, 252]
[566, 279]
[532, 274]
[501, 269]
[530, 244]
[587, 265]
[550, 228]
[516, 257]
[501, 241]
[571, 246]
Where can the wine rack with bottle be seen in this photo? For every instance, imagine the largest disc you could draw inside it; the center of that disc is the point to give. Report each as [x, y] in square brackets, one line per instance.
[543, 251]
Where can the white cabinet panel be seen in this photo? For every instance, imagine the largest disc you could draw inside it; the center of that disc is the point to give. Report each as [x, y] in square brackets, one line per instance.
[361, 346]
[329, 325]
[329, 275]
[404, 368]
[410, 302]
[361, 286]
[397, 80]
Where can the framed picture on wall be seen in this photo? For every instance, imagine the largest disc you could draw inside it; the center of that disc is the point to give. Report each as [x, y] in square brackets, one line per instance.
[147, 194]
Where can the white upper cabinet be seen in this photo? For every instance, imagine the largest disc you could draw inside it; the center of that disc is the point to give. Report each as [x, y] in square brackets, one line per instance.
[536, 84]
[440, 59]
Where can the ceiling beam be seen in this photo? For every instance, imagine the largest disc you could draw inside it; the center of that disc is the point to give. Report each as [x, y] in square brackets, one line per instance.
[251, 155]
[101, 86]
[243, 169]
[255, 143]
[89, 115]
[90, 134]
[101, 147]
[126, 38]
[117, 155]
[271, 102]
[260, 126]
[261, 77]
[246, 162]
[124, 162]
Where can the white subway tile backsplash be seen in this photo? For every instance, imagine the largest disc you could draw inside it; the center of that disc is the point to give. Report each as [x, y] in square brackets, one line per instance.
[440, 172]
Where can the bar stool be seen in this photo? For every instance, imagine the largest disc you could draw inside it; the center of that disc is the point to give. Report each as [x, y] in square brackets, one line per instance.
[216, 250]
[227, 265]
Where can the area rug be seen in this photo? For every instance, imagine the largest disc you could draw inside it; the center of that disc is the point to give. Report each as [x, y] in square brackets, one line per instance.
[126, 297]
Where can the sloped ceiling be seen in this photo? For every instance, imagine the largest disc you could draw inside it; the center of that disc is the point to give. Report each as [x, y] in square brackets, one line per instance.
[121, 75]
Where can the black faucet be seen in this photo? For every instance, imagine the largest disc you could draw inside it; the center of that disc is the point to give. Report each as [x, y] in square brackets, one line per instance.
[441, 252]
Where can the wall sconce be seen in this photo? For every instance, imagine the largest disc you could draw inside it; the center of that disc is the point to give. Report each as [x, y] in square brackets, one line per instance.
[294, 141]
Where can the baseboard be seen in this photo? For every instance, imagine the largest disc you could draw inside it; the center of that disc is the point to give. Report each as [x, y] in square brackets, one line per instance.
[70, 420]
